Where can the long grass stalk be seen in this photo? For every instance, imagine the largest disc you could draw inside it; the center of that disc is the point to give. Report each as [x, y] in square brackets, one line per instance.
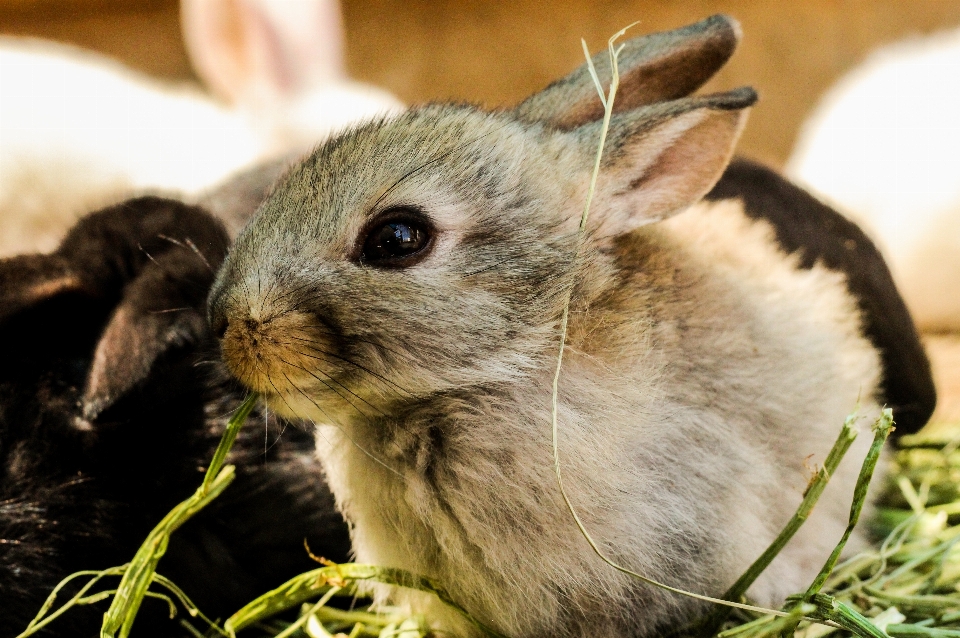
[608, 101]
[309, 585]
[139, 574]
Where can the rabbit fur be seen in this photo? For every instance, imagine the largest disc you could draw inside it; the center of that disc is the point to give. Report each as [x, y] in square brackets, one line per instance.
[704, 360]
[111, 405]
[880, 146]
[81, 131]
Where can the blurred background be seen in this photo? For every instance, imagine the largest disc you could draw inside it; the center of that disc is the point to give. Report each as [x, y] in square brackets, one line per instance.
[495, 53]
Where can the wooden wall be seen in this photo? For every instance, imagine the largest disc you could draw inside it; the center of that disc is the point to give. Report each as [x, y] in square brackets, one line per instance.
[497, 52]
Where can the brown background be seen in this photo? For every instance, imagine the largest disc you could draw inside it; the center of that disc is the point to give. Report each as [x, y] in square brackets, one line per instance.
[497, 52]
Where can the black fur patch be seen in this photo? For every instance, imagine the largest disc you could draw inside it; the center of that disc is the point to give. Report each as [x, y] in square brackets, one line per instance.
[81, 491]
[818, 233]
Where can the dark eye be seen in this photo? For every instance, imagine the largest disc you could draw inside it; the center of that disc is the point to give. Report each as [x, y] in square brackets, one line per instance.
[397, 241]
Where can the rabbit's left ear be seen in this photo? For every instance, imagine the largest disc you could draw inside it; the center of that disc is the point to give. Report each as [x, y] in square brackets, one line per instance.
[652, 68]
[660, 159]
[160, 314]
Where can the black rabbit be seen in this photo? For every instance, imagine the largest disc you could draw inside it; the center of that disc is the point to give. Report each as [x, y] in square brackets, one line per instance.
[109, 413]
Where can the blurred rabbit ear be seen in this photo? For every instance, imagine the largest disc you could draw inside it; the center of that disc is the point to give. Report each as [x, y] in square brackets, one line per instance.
[155, 259]
[259, 52]
[661, 158]
[162, 307]
[29, 280]
[161, 312]
[653, 68]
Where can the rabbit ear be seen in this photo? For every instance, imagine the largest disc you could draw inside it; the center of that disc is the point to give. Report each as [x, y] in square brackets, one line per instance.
[259, 52]
[660, 159]
[155, 260]
[653, 68]
[161, 312]
[29, 280]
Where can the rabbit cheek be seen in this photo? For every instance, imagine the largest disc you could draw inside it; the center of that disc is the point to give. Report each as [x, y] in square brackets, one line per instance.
[272, 355]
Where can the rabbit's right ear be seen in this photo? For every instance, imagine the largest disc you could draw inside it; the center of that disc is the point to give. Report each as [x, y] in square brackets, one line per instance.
[263, 51]
[660, 159]
[164, 284]
[653, 68]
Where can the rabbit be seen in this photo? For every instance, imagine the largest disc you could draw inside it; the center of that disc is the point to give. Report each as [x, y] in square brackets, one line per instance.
[819, 234]
[81, 131]
[111, 404]
[403, 288]
[880, 146]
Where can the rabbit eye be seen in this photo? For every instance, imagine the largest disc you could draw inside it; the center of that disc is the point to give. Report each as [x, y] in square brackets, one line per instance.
[397, 241]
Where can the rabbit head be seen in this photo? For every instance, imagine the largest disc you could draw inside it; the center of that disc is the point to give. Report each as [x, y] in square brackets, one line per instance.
[464, 219]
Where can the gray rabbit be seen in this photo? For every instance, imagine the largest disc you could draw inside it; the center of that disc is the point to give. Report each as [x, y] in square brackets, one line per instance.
[403, 287]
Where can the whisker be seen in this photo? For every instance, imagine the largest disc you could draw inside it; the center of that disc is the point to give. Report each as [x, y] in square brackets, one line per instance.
[197, 252]
[280, 394]
[375, 344]
[399, 425]
[259, 277]
[344, 432]
[291, 292]
[332, 380]
[163, 312]
[329, 387]
[283, 429]
[490, 267]
[149, 256]
[312, 346]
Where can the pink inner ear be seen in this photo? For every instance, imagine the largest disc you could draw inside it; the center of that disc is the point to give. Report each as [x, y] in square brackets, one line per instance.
[256, 52]
[665, 170]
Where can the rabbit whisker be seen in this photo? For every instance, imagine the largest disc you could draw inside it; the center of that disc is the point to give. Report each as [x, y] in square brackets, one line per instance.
[359, 411]
[162, 312]
[197, 252]
[344, 432]
[490, 267]
[279, 393]
[283, 428]
[332, 380]
[330, 387]
[311, 345]
[291, 292]
[304, 354]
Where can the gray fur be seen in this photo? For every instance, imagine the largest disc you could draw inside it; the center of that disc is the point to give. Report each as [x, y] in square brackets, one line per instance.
[656, 67]
[236, 199]
[703, 365]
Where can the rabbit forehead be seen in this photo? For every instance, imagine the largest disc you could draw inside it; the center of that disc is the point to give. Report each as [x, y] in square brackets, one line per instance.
[452, 162]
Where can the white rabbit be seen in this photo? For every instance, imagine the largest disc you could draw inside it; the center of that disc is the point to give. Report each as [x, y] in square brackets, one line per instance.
[78, 130]
[882, 146]
[403, 287]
